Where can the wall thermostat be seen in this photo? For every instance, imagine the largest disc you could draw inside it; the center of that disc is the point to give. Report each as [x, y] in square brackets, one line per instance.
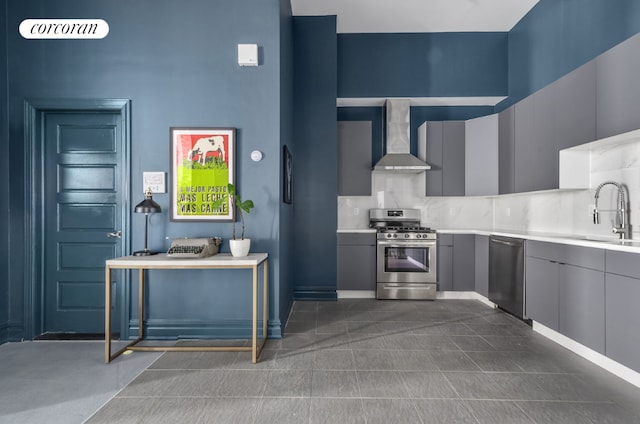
[248, 54]
[256, 155]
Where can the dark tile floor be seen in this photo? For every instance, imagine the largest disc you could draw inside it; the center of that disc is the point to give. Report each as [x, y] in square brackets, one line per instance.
[368, 361]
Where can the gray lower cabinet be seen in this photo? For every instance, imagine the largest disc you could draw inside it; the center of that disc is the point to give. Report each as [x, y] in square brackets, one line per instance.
[623, 320]
[581, 306]
[456, 259]
[622, 312]
[565, 288]
[356, 261]
[482, 265]
[464, 251]
[541, 300]
[445, 262]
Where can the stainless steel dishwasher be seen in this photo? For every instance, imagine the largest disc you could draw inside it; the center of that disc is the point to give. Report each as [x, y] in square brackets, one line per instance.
[506, 274]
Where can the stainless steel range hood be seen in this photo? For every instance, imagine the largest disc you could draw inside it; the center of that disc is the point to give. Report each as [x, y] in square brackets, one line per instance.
[398, 157]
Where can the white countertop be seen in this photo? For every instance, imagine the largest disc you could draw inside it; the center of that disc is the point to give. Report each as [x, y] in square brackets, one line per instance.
[357, 230]
[601, 242]
[163, 261]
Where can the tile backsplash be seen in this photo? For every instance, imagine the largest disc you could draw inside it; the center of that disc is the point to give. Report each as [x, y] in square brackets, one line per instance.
[554, 211]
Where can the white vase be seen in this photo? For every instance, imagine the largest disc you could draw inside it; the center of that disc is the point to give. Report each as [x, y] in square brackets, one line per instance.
[240, 247]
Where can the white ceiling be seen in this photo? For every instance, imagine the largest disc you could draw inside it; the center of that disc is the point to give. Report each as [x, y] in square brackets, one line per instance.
[358, 16]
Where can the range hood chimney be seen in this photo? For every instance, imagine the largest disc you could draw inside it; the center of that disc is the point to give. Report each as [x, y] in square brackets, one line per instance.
[398, 157]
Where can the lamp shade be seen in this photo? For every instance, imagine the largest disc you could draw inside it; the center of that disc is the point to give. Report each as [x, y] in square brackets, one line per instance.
[147, 205]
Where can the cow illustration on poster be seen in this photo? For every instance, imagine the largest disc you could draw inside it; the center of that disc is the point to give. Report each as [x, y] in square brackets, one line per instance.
[202, 166]
[206, 145]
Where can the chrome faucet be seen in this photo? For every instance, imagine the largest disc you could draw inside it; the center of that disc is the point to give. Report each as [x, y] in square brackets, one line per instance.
[623, 229]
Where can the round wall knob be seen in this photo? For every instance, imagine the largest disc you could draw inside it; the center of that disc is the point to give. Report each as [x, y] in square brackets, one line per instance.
[256, 155]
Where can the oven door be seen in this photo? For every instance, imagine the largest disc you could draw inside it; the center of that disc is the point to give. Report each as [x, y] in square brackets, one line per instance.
[406, 262]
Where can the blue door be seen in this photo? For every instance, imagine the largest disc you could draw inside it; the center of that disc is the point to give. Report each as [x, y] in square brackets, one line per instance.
[84, 191]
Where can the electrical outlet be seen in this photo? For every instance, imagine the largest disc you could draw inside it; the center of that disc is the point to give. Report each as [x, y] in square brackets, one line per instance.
[356, 211]
[507, 211]
[452, 211]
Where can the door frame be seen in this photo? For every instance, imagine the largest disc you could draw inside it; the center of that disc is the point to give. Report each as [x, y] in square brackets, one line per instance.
[34, 161]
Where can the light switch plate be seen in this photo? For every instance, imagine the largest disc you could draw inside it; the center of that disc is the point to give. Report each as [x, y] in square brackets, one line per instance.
[248, 54]
[154, 181]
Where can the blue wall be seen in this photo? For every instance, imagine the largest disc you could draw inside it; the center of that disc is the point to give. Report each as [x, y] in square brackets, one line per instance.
[4, 181]
[315, 185]
[558, 36]
[178, 65]
[286, 138]
[554, 38]
[422, 65]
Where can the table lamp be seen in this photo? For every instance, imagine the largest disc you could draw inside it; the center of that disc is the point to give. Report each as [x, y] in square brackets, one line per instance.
[147, 207]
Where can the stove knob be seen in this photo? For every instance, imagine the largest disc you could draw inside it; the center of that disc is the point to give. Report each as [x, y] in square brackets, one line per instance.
[388, 235]
[406, 236]
[418, 236]
[395, 236]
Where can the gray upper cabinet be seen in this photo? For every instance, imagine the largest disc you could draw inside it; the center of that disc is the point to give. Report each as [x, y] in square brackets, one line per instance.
[536, 154]
[354, 158]
[575, 107]
[435, 140]
[526, 148]
[481, 156]
[506, 151]
[533, 131]
[453, 158]
[445, 152]
[617, 89]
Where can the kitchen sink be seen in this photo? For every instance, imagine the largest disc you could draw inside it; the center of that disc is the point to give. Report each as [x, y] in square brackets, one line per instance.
[626, 242]
[603, 239]
[607, 240]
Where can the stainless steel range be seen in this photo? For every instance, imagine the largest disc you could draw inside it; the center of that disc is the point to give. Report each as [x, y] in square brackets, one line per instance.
[406, 255]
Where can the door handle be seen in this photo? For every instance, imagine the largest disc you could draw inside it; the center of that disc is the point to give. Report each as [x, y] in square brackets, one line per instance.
[117, 234]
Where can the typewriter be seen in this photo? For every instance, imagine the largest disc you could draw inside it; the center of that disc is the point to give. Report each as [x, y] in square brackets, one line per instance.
[194, 247]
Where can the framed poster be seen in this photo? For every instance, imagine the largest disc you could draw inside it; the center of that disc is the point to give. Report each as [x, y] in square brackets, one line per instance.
[202, 164]
[287, 173]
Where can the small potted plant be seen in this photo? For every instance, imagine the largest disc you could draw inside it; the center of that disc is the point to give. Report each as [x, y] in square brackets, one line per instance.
[239, 247]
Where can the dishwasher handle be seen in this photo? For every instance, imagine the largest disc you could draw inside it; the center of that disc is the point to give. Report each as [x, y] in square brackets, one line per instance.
[510, 242]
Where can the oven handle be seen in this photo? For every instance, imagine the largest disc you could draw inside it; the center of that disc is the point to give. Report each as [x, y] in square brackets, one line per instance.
[429, 243]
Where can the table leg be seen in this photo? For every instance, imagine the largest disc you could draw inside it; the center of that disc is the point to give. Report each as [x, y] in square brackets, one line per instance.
[140, 303]
[107, 314]
[265, 295]
[254, 327]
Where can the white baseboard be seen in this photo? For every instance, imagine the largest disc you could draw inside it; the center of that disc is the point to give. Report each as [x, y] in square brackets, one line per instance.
[371, 294]
[469, 295]
[356, 294]
[597, 358]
